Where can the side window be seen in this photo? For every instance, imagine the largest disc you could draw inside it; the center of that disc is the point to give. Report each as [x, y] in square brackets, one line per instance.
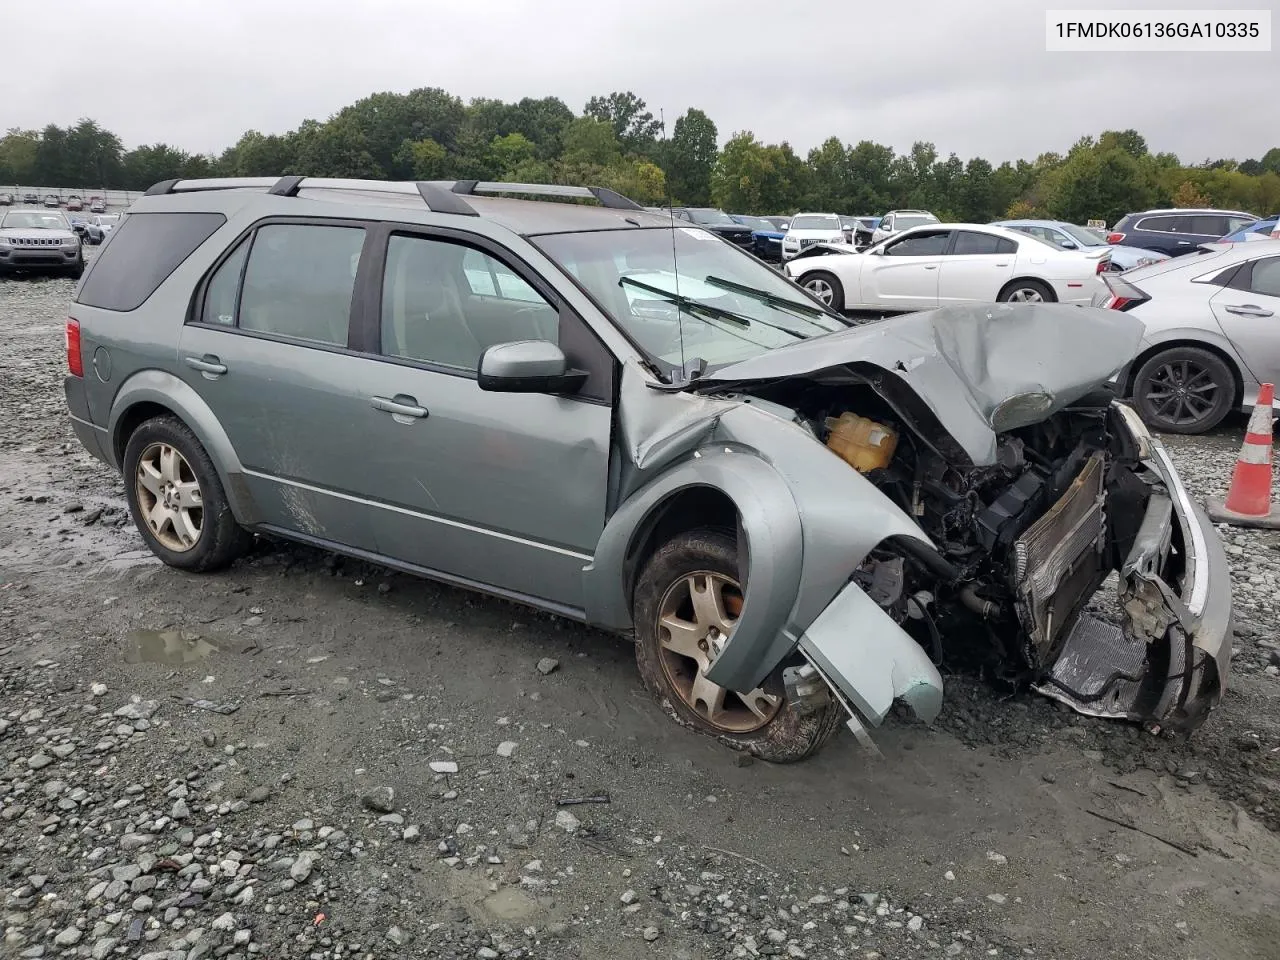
[224, 289]
[1210, 225]
[488, 277]
[972, 243]
[446, 303]
[1266, 277]
[931, 244]
[145, 249]
[1239, 223]
[299, 281]
[1160, 224]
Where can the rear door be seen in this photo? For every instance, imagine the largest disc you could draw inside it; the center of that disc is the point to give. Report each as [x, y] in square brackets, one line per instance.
[1165, 232]
[269, 350]
[1248, 310]
[975, 267]
[904, 274]
[505, 491]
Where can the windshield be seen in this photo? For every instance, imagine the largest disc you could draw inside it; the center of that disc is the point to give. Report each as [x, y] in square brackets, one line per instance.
[906, 223]
[683, 294]
[34, 220]
[755, 223]
[712, 218]
[815, 223]
[1082, 235]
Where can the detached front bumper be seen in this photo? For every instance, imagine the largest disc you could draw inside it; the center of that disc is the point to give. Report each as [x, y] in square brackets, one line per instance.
[1168, 664]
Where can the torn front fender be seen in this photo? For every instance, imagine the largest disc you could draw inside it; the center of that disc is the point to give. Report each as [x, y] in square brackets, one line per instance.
[870, 659]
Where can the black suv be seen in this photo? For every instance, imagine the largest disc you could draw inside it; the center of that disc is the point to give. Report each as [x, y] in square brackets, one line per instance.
[1176, 231]
[718, 222]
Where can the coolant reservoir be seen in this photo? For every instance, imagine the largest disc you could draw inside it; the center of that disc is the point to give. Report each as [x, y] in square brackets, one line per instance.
[864, 444]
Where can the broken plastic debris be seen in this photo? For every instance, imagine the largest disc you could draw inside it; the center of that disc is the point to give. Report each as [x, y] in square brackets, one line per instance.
[574, 801]
[443, 766]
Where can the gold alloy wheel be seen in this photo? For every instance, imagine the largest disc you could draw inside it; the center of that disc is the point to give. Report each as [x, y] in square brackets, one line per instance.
[169, 497]
[695, 619]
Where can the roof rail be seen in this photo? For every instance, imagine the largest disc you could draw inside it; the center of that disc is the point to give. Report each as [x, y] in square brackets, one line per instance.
[440, 196]
[605, 196]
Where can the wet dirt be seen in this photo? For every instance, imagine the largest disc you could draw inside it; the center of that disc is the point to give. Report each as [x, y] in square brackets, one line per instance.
[172, 648]
[1014, 827]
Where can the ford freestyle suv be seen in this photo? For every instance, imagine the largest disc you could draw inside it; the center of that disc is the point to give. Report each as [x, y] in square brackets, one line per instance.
[618, 417]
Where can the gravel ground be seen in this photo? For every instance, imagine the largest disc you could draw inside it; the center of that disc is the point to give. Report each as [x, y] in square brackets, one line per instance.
[308, 757]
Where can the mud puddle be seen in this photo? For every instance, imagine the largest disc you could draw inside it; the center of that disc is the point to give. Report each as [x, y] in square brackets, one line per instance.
[170, 648]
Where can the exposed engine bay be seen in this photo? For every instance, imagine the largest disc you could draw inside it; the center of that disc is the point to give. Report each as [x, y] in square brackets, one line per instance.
[1023, 545]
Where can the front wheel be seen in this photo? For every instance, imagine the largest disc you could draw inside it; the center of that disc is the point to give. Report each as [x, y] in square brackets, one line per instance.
[687, 602]
[826, 288]
[1184, 390]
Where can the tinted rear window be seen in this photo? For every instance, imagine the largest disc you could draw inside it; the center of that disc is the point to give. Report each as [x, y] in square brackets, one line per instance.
[143, 251]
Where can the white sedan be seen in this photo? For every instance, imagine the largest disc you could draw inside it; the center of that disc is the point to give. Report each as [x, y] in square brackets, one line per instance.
[943, 264]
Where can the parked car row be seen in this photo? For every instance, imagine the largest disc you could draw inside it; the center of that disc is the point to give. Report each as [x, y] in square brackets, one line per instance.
[937, 264]
[73, 203]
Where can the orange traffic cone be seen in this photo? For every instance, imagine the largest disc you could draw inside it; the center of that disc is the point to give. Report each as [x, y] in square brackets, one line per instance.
[1248, 502]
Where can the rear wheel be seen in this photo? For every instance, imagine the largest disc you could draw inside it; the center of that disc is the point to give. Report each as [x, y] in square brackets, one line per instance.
[1184, 390]
[1026, 291]
[826, 288]
[177, 500]
[687, 602]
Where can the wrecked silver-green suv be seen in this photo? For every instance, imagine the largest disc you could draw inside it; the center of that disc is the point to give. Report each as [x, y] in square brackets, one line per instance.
[623, 419]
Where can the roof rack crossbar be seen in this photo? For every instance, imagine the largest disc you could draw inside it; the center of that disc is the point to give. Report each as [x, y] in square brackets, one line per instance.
[441, 196]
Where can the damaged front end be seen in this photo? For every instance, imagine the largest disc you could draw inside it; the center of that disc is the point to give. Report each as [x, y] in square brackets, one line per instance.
[1167, 661]
[1027, 484]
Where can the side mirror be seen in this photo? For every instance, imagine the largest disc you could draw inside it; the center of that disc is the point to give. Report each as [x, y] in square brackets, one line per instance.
[528, 366]
[1068, 245]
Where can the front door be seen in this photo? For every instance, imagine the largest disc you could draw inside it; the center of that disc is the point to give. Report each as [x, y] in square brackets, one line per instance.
[267, 350]
[904, 275]
[976, 268]
[505, 491]
[1249, 312]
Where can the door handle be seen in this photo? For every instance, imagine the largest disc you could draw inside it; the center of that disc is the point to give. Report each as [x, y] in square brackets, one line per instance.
[1184, 243]
[398, 408]
[1249, 310]
[931, 266]
[209, 365]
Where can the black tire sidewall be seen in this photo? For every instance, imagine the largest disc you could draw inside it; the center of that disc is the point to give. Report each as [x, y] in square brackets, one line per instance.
[788, 737]
[221, 537]
[1220, 372]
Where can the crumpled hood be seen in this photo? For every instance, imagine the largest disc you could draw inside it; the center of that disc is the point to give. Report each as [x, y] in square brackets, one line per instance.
[980, 369]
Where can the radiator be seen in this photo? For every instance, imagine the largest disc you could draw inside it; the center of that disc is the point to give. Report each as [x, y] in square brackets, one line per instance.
[1057, 561]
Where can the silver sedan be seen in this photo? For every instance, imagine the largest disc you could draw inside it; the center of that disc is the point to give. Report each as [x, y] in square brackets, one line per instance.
[1212, 332]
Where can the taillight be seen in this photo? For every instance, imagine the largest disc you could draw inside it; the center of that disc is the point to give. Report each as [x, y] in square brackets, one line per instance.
[1103, 265]
[75, 363]
[1115, 238]
[1122, 295]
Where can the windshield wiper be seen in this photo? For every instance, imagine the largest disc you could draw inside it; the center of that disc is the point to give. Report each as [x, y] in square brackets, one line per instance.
[720, 313]
[764, 296]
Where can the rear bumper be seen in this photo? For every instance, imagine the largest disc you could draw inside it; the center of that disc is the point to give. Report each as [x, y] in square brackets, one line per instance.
[92, 437]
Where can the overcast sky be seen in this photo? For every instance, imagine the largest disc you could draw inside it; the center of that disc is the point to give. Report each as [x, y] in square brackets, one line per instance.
[970, 75]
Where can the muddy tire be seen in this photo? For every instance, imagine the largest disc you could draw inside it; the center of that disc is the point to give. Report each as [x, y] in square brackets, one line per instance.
[686, 599]
[177, 500]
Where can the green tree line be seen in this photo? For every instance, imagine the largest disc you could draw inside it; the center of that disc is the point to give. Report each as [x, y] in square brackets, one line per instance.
[616, 142]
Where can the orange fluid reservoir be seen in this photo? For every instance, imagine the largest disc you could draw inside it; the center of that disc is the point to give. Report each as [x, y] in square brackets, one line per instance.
[864, 444]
